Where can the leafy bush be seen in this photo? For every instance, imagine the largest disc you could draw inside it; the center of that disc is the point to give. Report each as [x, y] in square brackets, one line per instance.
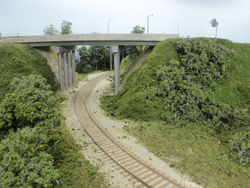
[184, 85]
[205, 61]
[24, 161]
[240, 145]
[32, 103]
[30, 130]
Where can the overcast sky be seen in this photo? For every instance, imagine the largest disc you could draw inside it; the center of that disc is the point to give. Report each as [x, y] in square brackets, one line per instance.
[30, 17]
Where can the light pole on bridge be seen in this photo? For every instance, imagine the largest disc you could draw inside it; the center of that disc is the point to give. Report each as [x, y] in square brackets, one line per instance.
[110, 51]
[177, 27]
[110, 20]
[148, 22]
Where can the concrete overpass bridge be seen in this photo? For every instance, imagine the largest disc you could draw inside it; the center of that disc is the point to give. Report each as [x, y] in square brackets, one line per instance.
[65, 48]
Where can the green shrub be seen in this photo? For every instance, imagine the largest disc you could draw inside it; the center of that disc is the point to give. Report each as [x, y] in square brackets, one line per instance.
[204, 60]
[240, 145]
[31, 103]
[30, 131]
[24, 161]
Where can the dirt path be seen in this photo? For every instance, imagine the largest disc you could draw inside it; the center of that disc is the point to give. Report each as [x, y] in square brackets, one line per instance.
[115, 128]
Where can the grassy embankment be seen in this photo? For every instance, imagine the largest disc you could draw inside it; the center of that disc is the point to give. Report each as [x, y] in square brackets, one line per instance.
[191, 101]
[74, 171]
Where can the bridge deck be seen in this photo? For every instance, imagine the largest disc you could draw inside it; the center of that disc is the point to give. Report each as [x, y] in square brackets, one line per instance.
[89, 39]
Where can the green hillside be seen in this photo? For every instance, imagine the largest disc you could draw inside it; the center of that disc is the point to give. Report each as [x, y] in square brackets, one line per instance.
[18, 60]
[36, 149]
[134, 101]
[191, 101]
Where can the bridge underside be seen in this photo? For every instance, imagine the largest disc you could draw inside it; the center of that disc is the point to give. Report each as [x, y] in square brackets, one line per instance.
[65, 48]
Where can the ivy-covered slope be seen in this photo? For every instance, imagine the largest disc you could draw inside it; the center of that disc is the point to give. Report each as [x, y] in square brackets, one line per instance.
[21, 60]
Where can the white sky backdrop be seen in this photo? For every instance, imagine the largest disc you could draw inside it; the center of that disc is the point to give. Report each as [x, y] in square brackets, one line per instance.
[30, 17]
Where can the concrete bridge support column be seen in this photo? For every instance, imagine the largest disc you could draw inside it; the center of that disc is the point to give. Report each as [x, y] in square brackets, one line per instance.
[66, 74]
[60, 71]
[70, 68]
[116, 53]
[66, 65]
[74, 66]
[110, 58]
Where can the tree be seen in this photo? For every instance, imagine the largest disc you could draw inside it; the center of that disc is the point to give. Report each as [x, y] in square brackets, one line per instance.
[50, 30]
[138, 30]
[99, 57]
[94, 58]
[66, 27]
[134, 51]
[83, 65]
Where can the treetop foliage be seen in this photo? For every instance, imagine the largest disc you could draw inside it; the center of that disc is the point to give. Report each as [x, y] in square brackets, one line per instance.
[138, 30]
[134, 51]
[93, 58]
[51, 30]
[66, 27]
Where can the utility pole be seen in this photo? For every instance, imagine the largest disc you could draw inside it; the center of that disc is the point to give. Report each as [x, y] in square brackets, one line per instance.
[110, 49]
[148, 22]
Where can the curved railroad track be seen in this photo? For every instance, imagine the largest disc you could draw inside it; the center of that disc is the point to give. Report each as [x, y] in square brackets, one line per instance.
[140, 173]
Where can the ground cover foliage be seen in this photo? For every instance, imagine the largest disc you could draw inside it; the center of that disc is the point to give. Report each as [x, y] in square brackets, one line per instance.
[202, 82]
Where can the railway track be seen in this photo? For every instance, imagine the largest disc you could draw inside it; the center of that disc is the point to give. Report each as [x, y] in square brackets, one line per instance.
[140, 173]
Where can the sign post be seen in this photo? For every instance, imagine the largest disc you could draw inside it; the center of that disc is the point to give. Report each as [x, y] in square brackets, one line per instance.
[214, 23]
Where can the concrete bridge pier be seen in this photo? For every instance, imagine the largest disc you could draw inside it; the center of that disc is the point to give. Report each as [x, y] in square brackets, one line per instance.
[116, 52]
[60, 71]
[74, 65]
[70, 69]
[66, 66]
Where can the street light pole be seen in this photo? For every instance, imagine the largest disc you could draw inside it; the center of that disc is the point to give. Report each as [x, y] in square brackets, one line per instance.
[178, 27]
[148, 22]
[110, 51]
